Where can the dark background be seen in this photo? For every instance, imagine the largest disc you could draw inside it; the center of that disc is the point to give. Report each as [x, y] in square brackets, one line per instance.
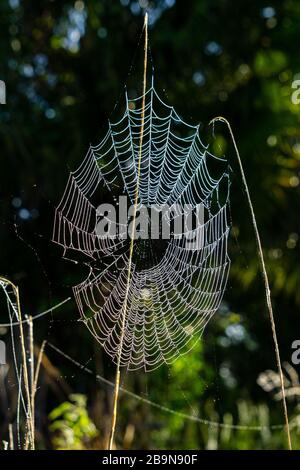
[65, 65]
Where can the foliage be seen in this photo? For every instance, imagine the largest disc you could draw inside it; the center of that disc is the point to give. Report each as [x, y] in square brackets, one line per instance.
[70, 425]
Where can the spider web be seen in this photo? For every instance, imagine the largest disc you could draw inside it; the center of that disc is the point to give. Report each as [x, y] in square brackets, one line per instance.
[174, 290]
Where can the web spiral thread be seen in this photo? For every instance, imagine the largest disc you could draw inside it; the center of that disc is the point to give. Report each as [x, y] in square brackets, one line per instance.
[174, 290]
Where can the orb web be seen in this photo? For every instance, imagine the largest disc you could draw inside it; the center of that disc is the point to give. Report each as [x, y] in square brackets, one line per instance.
[174, 289]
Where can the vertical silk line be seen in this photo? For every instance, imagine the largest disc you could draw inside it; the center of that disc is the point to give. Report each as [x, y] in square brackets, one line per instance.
[136, 197]
[265, 277]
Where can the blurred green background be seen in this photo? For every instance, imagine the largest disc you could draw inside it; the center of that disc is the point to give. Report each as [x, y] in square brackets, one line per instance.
[65, 65]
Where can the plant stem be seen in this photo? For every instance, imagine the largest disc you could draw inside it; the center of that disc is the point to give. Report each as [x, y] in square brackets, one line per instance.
[117, 379]
[30, 437]
[265, 277]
